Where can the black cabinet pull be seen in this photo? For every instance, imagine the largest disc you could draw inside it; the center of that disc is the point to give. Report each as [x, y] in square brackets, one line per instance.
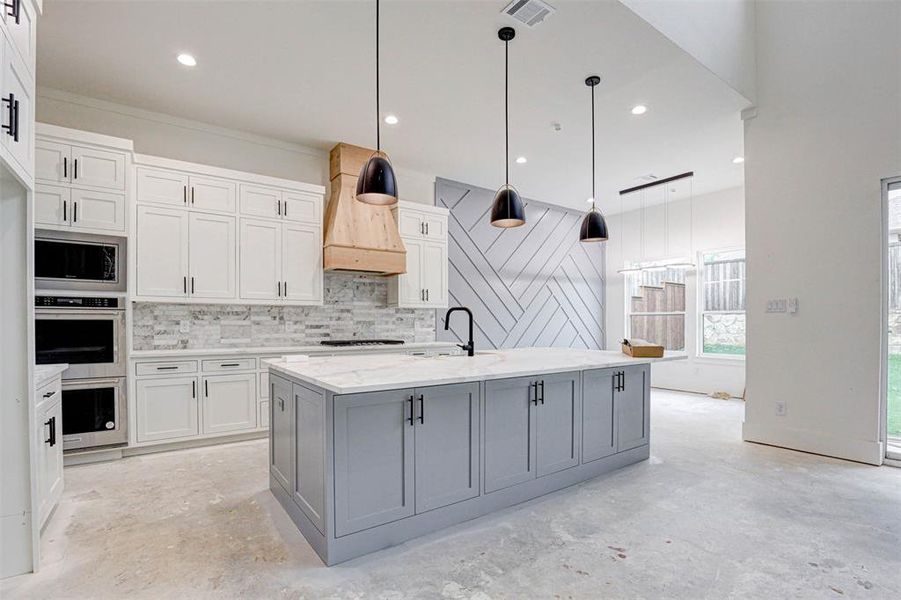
[279, 289]
[192, 284]
[421, 409]
[170, 368]
[51, 423]
[14, 9]
[278, 204]
[50, 394]
[185, 284]
[229, 364]
[285, 208]
[184, 194]
[65, 167]
[192, 194]
[193, 389]
[285, 289]
[206, 388]
[12, 129]
[622, 381]
[410, 400]
[75, 171]
[281, 404]
[427, 294]
[64, 209]
[542, 390]
[533, 393]
[75, 212]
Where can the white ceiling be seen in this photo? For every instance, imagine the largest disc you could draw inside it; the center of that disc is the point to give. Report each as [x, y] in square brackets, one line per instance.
[303, 72]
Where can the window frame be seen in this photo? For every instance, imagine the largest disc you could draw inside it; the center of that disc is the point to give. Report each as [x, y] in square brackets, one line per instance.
[700, 312]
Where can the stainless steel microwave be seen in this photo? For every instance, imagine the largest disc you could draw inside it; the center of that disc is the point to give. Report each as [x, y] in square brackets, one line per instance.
[79, 262]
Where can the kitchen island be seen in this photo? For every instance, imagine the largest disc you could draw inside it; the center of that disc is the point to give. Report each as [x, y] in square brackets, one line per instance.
[369, 451]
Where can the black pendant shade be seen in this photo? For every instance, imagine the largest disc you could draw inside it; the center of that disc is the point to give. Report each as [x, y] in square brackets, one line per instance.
[376, 184]
[594, 227]
[507, 209]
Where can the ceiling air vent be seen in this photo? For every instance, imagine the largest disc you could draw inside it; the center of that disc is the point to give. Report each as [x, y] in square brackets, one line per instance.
[530, 12]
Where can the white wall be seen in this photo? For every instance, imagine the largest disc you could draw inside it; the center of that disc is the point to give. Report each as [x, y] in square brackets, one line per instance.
[719, 34]
[182, 139]
[718, 222]
[828, 127]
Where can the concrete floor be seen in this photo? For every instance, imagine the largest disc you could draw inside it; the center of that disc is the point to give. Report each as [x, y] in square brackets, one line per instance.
[708, 516]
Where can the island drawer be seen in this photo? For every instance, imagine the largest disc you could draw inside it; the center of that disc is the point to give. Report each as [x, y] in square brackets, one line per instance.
[165, 368]
[229, 364]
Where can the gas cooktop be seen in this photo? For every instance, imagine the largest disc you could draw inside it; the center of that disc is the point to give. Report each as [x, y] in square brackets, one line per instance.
[359, 342]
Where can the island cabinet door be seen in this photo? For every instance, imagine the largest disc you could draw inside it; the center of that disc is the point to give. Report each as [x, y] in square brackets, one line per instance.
[447, 444]
[598, 419]
[281, 431]
[558, 424]
[309, 463]
[509, 432]
[632, 402]
[373, 459]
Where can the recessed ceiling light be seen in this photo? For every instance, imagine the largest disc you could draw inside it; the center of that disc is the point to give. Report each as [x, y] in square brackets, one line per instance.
[187, 60]
[391, 120]
[738, 160]
[639, 109]
[521, 160]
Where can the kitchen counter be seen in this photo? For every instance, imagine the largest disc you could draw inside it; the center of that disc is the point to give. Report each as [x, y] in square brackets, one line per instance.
[313, 348]
[44, 373]
[367, 451]
[355, 374]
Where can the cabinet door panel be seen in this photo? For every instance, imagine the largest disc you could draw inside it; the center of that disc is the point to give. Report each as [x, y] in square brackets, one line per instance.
[302, 263]
[162, 253]
[309, 486]
[409, 285]
[162, 187]
[22, 34]
[50, 483]
[261, 259]
[434, 273]
[559, 417]
[52, 161]
[51, 205]
[447, 445]
[304, 208]
[509, 433]
[98, 210]
[598, 421]
[207, 193]
[260, 201]
[435, 227]
[229, 403]
[633, 419]
[212, 256]
[167, 408]
[98, 168]
[373, 460]
[18, 81]
[281, 432]
[410, 224]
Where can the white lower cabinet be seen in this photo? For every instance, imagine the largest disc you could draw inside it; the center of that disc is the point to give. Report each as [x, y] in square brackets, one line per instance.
[167, 408]
[229, 402]
[48, 436]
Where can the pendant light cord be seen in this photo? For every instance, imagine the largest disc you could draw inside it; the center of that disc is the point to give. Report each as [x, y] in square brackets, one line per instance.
[378, 123]
[506, 113]
[593, 161]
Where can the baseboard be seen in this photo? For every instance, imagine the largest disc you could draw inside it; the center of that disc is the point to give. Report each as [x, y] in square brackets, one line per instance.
[198, 443]
[815, 442]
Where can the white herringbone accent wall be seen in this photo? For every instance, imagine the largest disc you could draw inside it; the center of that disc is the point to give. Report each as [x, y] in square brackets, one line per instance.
[534, 285]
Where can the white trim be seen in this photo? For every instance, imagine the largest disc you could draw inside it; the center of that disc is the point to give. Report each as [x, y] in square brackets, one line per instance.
[147, 115]
[159, 162]
[883, 314]
[421, 208]
[807, 440]
[66, 135]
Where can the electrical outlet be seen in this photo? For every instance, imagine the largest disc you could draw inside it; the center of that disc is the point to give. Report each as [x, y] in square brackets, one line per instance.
[780, 408]
[777, 305]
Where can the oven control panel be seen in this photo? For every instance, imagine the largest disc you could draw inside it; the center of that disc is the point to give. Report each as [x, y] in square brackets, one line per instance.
[76, 301]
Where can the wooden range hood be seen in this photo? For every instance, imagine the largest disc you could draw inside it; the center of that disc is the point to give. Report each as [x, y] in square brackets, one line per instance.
[358, 236]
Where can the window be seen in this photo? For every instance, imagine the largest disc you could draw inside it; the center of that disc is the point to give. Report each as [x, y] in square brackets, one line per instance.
[655, 305]
[722, 303]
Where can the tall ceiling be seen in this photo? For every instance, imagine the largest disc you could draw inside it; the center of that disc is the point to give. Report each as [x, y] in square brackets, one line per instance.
[303, 72]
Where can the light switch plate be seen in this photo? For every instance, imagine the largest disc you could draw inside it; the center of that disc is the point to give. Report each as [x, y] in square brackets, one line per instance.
[781, 408]
[776, 305]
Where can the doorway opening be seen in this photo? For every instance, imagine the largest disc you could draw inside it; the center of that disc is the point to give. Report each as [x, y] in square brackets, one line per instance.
[891, 193]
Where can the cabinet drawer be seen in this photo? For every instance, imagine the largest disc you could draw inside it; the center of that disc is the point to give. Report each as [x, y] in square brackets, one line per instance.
[165, 368]
[229, 364]
[49, 395]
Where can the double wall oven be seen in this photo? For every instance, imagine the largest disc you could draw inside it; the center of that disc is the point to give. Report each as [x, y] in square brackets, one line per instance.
[80, 320]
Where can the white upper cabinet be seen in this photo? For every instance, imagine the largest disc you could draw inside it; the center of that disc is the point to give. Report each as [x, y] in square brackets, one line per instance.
[155, 186]
[273, 203]
[98, 168]
[206, 193]
[162, 252]
[17, 109]
[212, 256]
[20, 22]
[95, 210]
[261, 259]
[423, 230]
[302, 263]
[51, 161]
[51, 205]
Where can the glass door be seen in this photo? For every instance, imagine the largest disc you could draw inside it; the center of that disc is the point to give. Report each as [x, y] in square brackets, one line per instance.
[891, 190]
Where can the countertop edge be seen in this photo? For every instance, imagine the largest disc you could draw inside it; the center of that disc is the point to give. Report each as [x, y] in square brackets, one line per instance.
[45, 373]
[188, 352]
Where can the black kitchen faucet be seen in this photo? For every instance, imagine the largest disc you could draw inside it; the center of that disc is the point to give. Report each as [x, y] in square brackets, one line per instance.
[468, 346]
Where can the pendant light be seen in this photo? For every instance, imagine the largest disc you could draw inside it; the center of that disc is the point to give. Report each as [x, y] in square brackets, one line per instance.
[377, 184]
[594, 227]
[507, 209]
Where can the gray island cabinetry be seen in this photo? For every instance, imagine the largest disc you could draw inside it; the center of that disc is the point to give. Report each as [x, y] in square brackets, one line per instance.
[367, 452]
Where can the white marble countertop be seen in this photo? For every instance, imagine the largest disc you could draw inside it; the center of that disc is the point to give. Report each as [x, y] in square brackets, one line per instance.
[361, 373]
[44, 373]
[179, 353]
